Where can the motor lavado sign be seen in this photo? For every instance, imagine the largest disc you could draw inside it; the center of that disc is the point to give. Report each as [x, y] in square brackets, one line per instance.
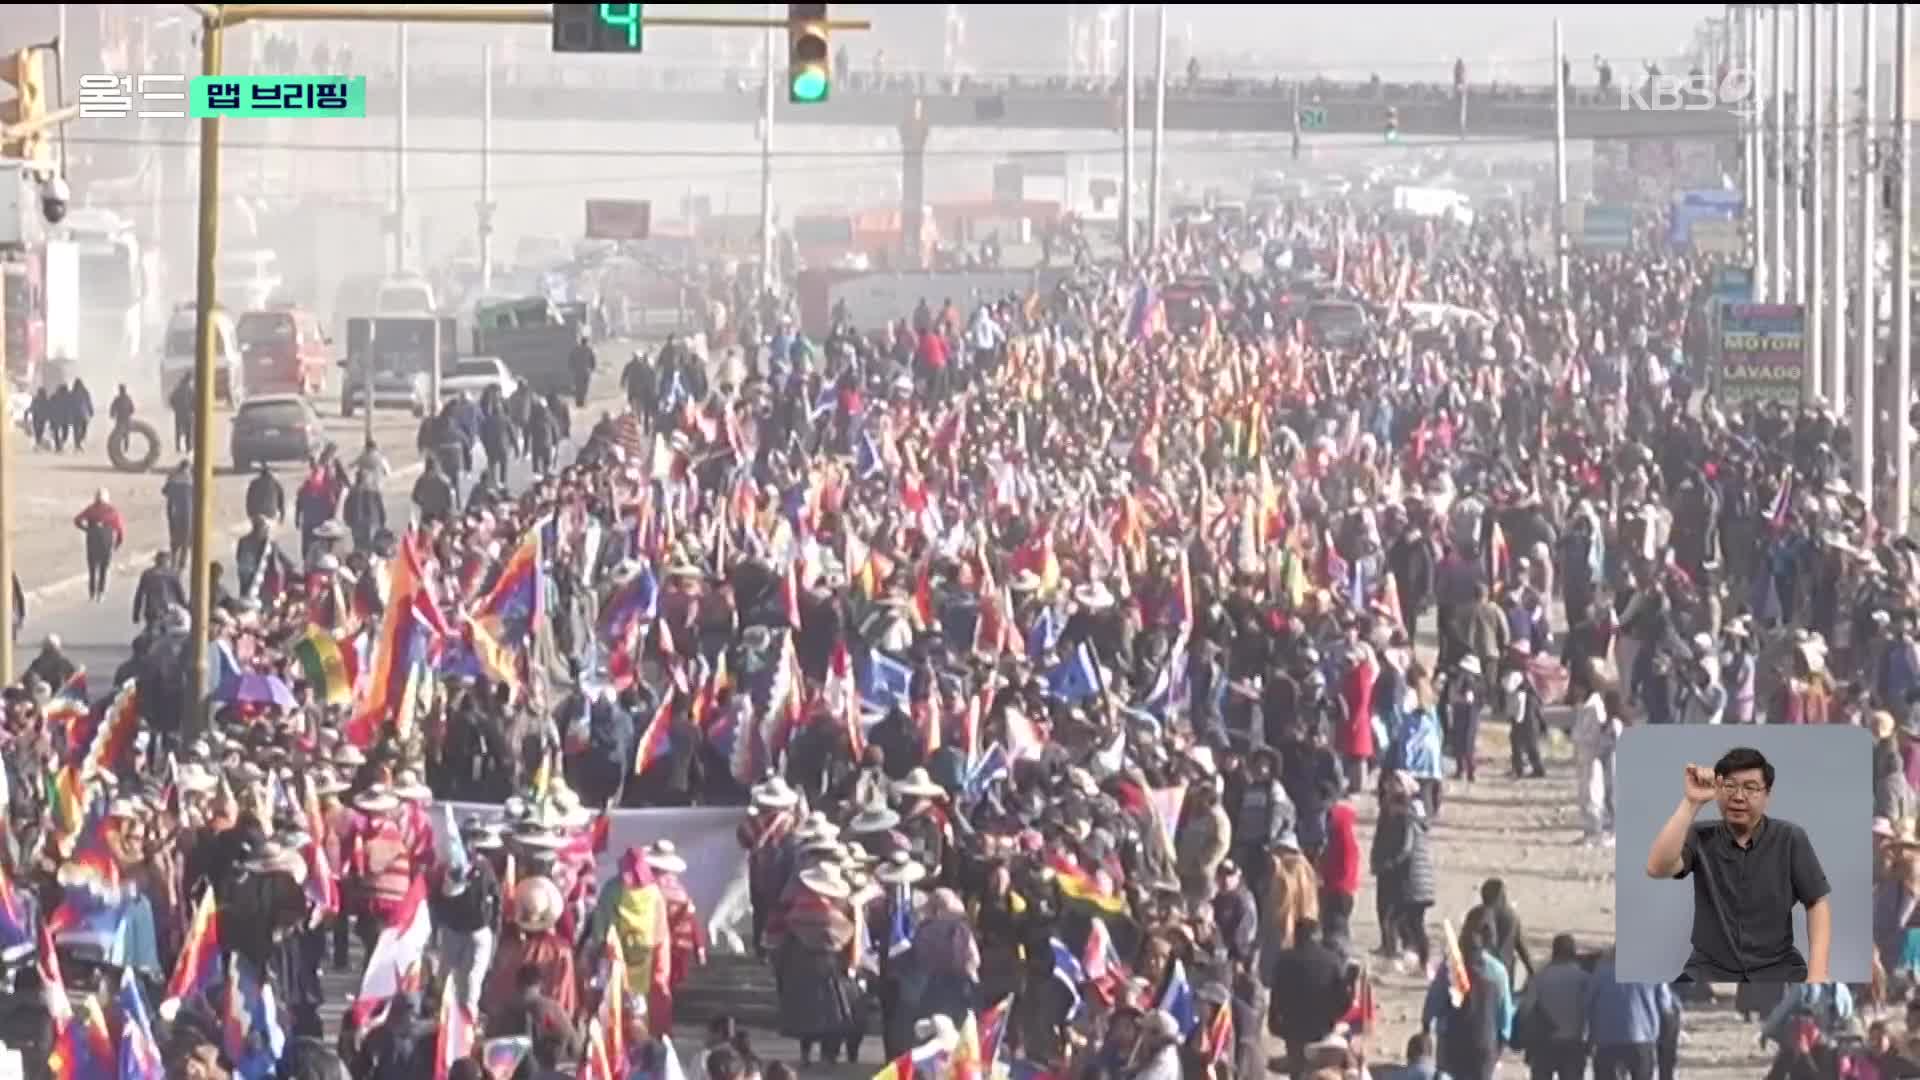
[1763, 352]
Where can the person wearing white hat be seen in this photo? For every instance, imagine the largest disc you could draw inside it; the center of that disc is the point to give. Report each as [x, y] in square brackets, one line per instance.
[1463, 714]
[811, 941]
[383, 859]
[923, 818]
[537, 907]
[686, 930]
[771, 821]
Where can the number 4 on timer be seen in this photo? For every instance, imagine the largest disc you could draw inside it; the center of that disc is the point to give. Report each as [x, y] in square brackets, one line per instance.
[622, 19]
[598, 28]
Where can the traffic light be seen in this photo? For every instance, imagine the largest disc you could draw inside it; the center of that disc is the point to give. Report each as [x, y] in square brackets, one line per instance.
[1393, 124]
[23, 71]
[809, 64]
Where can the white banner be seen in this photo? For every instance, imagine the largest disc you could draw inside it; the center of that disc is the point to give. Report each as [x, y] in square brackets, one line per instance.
[716, 876]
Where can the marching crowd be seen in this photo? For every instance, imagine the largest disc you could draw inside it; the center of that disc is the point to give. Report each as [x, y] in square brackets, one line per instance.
[1077, 662]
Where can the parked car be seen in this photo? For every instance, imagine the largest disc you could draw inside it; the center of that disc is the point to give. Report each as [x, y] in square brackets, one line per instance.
[471, 375]
[276, 427]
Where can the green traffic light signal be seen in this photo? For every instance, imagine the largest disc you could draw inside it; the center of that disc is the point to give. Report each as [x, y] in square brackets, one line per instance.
[808, 86]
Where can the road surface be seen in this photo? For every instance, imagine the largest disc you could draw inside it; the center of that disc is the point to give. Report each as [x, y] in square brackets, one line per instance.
[50, 488]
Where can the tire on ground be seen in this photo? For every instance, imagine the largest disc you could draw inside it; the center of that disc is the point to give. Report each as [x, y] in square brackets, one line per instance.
[120, 447]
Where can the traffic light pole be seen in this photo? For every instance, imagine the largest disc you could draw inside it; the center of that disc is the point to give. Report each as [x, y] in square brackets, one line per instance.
[212, 38]
[215, 19]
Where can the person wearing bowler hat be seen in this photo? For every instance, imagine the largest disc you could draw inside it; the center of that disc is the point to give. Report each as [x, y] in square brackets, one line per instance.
[811, 937]
[532, 942]
[767, 835]
[686, 932]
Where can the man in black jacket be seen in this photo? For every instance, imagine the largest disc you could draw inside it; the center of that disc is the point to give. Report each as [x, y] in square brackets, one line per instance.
[158, 590]
[265, 497]
[466, 908]
[1311, 993]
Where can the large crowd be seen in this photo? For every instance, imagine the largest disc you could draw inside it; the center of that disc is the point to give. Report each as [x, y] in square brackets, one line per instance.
[1058, 654]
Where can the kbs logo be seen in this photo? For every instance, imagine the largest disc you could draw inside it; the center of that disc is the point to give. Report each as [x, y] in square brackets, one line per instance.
[1731, 92]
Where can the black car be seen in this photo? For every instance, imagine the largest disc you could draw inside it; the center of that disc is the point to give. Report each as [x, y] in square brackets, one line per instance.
[277, 427]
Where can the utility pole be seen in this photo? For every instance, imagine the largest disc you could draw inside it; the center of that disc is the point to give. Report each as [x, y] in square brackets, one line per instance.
[1748, 61]
[1797, 159]
[1159, 130]
[1777, 158]
[1559, 158]
[1902, 273]
[486, 169]
[400, 157]
[1867, 248]
[1816, 210]
[1836, 323]
[1128, 96]
[205, 529]
[1776, 154]
[766, 161]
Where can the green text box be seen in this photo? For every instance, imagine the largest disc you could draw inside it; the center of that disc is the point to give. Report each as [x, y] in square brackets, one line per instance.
[343, 96]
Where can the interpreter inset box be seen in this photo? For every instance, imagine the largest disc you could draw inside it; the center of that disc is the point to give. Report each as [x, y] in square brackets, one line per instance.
[1729, 840]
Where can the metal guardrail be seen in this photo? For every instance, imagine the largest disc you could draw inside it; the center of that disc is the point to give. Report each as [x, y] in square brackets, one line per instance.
[657, 79]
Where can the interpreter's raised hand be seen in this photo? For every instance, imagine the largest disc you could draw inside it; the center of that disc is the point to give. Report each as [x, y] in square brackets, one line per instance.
[1700, 784]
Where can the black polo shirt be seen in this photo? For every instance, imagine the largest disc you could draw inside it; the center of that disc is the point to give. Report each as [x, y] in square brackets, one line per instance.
[1749, 893]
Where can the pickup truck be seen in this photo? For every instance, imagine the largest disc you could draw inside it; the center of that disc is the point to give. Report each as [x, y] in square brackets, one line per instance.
[533, 337]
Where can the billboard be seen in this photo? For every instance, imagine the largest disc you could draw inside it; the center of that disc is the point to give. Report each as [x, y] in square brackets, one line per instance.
[1733, 284]
[1763, 353]
[1607, 228]
[619, 219]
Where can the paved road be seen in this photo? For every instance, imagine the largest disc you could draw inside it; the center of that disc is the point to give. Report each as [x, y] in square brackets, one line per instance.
[50, 488]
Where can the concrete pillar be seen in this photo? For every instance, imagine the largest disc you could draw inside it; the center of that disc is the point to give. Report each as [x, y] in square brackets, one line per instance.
[914, 129]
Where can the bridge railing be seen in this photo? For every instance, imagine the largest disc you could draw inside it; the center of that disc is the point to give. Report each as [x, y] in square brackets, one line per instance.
[651, 78]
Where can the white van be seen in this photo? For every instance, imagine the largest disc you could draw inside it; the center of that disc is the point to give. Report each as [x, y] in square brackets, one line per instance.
[248, 280]
[408, 294]
[178, 353]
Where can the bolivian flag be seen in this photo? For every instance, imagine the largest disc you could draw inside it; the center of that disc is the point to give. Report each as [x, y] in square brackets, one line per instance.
[1076, 883]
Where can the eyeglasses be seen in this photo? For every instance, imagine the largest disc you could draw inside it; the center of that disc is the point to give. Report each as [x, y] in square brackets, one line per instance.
[1749, 789]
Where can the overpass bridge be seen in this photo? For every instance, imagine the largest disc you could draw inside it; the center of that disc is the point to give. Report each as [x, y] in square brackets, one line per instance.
[630, 89]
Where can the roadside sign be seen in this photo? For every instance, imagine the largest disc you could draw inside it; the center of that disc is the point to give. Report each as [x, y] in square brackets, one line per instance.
[1313, 118]
[1763, 352]
[1607, 228]
[1733, 284]
[619, 219]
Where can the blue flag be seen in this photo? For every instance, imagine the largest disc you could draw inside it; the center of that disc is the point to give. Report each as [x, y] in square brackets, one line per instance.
[887, 682]
[1076, 678]
[1067, 969]
[1177, 1000]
